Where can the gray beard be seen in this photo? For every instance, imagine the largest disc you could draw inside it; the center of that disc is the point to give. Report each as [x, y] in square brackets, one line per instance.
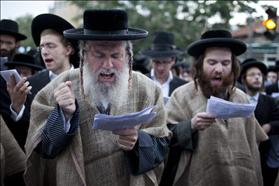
[100, 94]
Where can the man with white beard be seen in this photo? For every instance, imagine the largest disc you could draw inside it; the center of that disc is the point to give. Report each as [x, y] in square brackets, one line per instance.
[104, 93]
[62, 114]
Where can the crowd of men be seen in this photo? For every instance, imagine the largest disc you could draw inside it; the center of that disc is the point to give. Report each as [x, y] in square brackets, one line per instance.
[47, 116]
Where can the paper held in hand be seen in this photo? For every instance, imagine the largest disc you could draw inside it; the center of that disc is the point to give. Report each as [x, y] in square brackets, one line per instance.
[224, 109]
[109, 122]
[6, 74]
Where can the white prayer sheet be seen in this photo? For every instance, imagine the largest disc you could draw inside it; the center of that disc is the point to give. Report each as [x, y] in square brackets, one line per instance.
[6, 74]
[225, 109]
[111, 123]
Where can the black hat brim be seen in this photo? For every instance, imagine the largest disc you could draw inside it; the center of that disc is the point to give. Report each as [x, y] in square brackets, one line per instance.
[18, 36]
[48, 21]
[54, 22]
[159, 54]
[197, 48]
[257, 64]
[131, 34]
[15, 63]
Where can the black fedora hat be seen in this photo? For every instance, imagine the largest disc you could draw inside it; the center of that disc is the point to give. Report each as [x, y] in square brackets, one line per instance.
[251, 62]
[162, 46]
[111, 24]
[23, 60]
[272, 69]
[10, 27]
[48, 21]
[216, 38]
[54, 22]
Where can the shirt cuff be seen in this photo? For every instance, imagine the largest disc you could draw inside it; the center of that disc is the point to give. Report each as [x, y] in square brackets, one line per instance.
[16, 116]
[66, 124]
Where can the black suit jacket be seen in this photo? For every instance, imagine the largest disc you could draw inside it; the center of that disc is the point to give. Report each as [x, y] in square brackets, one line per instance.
[38, 81]
[272, 88]
[267, 112]
[175, 82]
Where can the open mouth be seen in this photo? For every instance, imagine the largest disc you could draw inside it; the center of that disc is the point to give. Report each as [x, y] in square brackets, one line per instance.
[216, 81]
[48, 60]
[107, 76]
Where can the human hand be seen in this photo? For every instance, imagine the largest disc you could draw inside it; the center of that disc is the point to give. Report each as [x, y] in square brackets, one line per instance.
[127, 138]
[18, 92]
[202, 121]
[266, 127]
[65, 98]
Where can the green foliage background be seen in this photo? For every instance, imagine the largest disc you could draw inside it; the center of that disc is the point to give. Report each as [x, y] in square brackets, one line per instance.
[186, 19]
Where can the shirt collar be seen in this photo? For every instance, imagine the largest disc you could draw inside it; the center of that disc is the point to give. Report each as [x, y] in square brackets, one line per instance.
[152, 74]
[254, 98]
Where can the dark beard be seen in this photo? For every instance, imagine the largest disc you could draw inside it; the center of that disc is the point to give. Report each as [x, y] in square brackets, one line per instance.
[253, 89]
[220, 92]
[6, 53]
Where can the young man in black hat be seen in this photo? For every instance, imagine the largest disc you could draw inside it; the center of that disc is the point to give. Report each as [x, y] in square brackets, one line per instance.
[163, 55]
[63, 112]
[207, 150]
[267, 113]
[59, 55]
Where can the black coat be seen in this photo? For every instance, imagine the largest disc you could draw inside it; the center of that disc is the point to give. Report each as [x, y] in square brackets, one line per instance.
[272, 88]
[268, 112]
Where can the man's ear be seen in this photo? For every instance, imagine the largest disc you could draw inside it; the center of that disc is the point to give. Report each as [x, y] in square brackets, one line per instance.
[17, 44]
[70, 50]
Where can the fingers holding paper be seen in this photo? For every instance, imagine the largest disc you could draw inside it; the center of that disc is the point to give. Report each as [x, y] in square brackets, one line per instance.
[127, 138]
[202, 121]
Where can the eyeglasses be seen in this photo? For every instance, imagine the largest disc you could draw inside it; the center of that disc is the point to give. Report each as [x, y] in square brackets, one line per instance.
[47, 46]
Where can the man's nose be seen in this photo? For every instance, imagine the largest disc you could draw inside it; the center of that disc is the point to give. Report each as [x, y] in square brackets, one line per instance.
[218, 67]
[44, 51]
[108, 63]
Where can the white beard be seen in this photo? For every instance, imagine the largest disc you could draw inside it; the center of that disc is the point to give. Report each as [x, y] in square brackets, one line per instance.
[98, 93]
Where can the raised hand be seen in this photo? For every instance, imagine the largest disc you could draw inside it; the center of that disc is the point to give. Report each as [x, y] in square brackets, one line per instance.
[18, 92]
[65, 98]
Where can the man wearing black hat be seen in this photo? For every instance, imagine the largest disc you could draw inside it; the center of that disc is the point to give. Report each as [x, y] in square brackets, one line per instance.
[63, 113]
[163, 54]
[274, 88]
[24, 64]
[58, 54]
[9, 38]
[271, 76]
[210, 150]
[267, 114]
